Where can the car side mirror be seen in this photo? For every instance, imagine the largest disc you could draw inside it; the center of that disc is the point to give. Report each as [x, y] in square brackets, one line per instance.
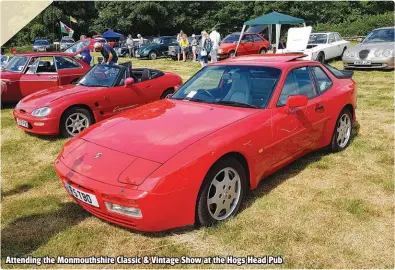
[129, 81]
[295, 102]
[176, 88]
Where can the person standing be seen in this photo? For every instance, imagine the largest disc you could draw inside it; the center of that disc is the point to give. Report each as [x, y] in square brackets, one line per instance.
[108, 53]
[184, 44]
[215, 38]
[178, 49]
[205, 47]
[194, 44]
[130, 45]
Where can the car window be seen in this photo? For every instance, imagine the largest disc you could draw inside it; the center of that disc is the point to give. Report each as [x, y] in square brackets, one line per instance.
[257, 38]
[298, 82]
[331, 38]
[231, 39]
[30, 64]
[323, 81]
[43, 64]
[248, 38]
[66, 62]
[338, 37]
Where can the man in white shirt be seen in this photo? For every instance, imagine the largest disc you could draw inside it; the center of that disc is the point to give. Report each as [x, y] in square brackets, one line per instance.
[215, 38]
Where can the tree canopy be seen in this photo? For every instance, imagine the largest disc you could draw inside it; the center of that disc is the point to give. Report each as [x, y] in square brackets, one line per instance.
[169, 17]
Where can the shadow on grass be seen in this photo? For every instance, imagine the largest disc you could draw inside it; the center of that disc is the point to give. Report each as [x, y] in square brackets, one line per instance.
[17, 190]
[8, 105]
[26, 234]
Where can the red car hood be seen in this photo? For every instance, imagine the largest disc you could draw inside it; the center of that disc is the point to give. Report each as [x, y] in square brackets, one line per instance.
[46, 97]
[159, 130]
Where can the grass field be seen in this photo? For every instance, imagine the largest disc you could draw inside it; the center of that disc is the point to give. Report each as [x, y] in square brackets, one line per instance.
[322, 211]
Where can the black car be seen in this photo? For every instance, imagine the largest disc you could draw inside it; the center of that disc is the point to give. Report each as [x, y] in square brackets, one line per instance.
[158, 47]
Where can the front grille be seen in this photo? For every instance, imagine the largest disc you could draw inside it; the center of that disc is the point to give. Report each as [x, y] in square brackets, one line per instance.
[363, 54]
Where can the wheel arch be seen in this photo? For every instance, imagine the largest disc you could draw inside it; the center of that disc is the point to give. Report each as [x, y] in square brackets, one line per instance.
[240, 158]
[84, 106]
[167, 89]
[350, 108]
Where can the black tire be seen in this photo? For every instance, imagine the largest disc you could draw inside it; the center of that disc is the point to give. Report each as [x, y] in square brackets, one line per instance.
[153, 55]
[166, 93]
[321, 57]
[62, 125]
[231, 54]
[263, 51]
[203, 216]
[335, 146]
[127, 55]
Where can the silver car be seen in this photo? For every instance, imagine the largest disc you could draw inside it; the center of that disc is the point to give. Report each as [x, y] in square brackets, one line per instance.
[376, 51]
[41, 45]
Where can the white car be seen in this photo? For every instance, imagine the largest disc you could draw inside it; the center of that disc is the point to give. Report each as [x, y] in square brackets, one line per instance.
[320, 46]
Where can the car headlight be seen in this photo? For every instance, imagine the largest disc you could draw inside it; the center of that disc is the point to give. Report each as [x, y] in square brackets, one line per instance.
[220, 51]
[388, 53]
[379, 53]
[124, 210]
[41, 112]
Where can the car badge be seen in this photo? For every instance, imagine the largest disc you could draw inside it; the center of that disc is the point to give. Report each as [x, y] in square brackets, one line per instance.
[98, 155]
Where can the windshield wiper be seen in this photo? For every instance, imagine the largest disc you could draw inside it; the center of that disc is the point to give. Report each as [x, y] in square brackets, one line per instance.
[236, 104]
[197, 100]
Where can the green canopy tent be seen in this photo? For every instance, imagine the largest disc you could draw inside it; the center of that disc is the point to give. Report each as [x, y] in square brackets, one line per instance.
[269, 19]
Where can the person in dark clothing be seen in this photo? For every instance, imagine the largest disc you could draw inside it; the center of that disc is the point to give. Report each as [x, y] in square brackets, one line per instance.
[109, 55]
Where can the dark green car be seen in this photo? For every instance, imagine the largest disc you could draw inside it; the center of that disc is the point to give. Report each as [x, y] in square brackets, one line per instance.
[158, 47]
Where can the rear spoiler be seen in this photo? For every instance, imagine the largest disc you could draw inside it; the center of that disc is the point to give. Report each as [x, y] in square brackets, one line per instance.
[346, 74]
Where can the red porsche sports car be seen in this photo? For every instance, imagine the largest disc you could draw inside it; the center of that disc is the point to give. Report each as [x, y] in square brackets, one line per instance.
[27, 73]
[192, 157]
[101, 93]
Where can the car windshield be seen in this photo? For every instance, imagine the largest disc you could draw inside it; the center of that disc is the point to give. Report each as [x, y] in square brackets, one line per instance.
[380, 35]
[100, 76]
[318, 38]
[231, 39]
[78, 46]
[41, 42]
[156, 41]
[233, 85]
[16, 64]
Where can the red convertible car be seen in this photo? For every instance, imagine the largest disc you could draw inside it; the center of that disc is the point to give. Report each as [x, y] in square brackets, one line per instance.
[101, 93]
[27, 73]
[192, 157]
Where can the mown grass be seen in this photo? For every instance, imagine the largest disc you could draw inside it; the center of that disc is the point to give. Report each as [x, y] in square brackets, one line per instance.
[324, 210]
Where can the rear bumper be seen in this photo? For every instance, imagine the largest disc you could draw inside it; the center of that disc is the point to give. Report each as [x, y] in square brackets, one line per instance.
[159, 211]
[38, 125]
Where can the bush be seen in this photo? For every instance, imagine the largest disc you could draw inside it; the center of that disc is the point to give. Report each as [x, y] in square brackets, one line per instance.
[360, 27]
[19, 49]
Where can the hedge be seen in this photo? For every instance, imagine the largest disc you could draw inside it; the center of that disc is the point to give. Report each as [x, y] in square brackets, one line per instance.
[360, 27]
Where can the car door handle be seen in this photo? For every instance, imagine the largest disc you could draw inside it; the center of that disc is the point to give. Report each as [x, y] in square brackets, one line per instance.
[148, 86]
[52, 77]
[319, 107]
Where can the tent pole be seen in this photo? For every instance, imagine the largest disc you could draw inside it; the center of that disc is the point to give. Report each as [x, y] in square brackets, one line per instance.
[270, 34]
[241, 35]
[278, 31]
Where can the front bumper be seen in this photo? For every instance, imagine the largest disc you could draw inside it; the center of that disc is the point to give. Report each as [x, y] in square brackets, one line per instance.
[37, 125]
[159, 211]
[375, 64]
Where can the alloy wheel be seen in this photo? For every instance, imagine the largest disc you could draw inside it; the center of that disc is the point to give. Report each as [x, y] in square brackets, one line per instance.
[224, 193]
[343, 130]
[76, 122]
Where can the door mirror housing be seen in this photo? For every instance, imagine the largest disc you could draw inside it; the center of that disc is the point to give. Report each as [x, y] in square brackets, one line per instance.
[295, 102]
[129, 81]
